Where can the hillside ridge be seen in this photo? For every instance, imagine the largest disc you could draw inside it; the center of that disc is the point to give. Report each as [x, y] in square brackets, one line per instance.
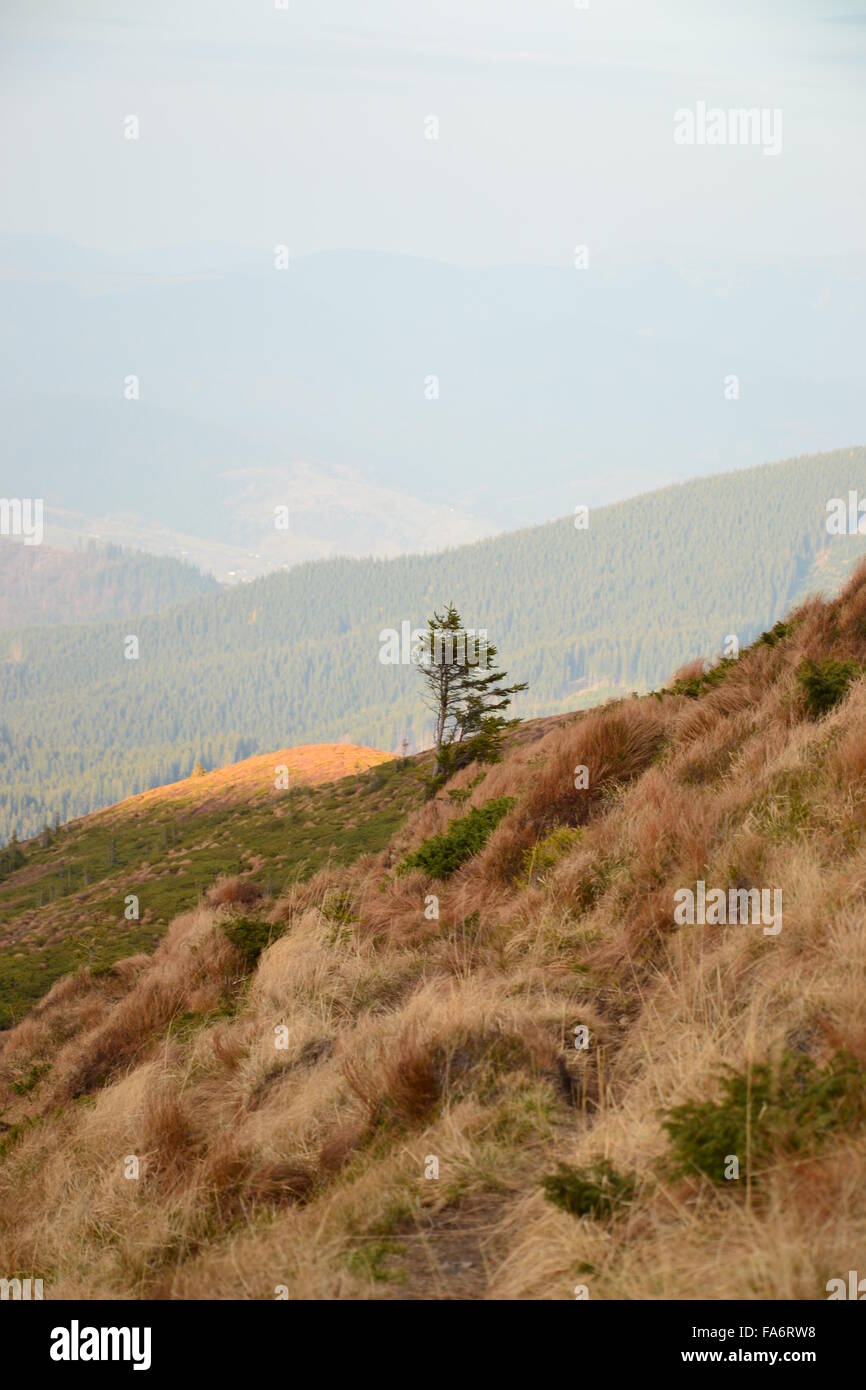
[64, 894]
[489, 1055]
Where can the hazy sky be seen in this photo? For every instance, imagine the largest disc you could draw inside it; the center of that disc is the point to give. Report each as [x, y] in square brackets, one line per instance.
[306, 126]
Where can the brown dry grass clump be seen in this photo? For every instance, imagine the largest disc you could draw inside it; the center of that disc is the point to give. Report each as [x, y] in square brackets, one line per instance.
[367, 1107]
[233, 891]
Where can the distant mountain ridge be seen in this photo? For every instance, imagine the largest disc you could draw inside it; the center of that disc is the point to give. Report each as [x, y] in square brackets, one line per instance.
[294, 657]
[425, 389]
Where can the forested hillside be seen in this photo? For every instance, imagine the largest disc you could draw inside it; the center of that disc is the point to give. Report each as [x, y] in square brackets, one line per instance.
[42, 585]
[295, 657]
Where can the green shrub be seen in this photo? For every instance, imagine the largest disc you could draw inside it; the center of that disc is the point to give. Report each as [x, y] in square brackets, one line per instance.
[338, 912]
[11, 858]
[442, 854]
[546, 853]
[250, 936]
[32, 1079]
[776, 634]
[11, 1136]
[373, 1261]
[337, 907]
[598, 1191]
[825, 683]
[464, 793]
[787, 1109]
[695, 686]
[184, 1026]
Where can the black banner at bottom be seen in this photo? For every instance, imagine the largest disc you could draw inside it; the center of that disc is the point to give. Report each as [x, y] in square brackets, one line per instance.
[149, 1338]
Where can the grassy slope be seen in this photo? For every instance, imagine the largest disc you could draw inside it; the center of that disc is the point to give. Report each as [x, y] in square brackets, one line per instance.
[408, 1039]
[64, 907]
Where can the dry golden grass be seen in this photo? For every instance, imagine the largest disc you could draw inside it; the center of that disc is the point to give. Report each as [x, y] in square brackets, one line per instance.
[310, 764]
[233, 890]
[287, 1115]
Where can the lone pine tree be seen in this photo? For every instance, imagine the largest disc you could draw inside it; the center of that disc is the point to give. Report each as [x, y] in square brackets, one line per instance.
[465, 693]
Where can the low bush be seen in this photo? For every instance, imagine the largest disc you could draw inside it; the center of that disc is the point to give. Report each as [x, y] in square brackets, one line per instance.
[599, 1191]
[249, 936]
[546, 853]
[825, 683]
[443, 854]
[778, 632]
[766, 1112]
[697, 685]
